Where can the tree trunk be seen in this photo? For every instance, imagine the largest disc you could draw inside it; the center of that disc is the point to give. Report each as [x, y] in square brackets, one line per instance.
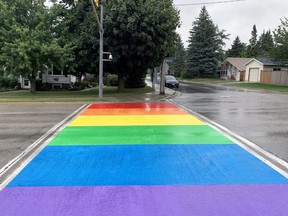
[33, 85]
[121, 83]
[162, 81]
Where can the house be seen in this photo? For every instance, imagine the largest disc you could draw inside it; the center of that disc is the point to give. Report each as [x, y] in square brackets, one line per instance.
[55, 78]
[24, 83]
[254, 67]
[232, 68]
[58, 80]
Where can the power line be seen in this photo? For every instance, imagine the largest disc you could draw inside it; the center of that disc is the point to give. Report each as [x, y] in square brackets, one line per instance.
[206, 3]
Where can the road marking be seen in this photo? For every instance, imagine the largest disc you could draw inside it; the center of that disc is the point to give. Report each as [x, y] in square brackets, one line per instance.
[268, 158]
[143, 179]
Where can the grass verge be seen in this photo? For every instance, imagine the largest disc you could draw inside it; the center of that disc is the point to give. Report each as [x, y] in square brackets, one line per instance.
[206, 81]
[256, 86]
[90, 95]
[260, 86]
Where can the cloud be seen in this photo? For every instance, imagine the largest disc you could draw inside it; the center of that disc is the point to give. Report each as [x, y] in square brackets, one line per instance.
[236, 18]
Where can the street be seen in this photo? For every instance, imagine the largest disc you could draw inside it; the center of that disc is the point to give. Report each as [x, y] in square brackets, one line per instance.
[260, 117]
[149, 158]
[144, 159]
[22, 124]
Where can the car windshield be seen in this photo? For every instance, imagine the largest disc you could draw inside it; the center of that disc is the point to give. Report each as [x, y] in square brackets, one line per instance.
[170, 78]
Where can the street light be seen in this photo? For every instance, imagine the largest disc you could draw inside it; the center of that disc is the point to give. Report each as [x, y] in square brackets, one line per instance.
[110, 57]
[101, 32]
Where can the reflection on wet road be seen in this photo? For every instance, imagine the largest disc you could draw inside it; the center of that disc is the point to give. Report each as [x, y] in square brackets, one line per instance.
[261, 117]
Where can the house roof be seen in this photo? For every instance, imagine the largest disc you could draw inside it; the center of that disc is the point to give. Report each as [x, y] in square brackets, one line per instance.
[266, 62]
[239, 63]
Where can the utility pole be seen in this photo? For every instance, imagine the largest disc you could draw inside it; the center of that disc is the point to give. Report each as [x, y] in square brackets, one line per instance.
[101, 32]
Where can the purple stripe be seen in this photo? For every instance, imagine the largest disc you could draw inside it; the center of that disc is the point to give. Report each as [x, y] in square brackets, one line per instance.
[146, 200]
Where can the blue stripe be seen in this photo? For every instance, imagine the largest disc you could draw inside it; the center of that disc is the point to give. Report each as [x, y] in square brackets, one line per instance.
[145, 165]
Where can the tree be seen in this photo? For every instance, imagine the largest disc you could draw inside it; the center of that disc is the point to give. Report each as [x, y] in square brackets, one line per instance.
[178, 67]
[205, 43]
[28, 46]
[281, 40]
[78, 27]
[139, 34]
[253, 47]
[237, 48]
[266, 44]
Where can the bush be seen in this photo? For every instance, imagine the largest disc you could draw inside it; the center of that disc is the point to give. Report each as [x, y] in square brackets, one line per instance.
[111, 80]
[8, 82]
[80, 86]
[135, 81]
[89, 81]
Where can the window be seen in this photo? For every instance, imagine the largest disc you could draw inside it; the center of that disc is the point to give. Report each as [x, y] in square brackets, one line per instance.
[276, 69]
[57, 72]
[26, 82]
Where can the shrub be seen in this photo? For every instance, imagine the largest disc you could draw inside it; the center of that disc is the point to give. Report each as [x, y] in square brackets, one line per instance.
[112, 80]
[8, 82]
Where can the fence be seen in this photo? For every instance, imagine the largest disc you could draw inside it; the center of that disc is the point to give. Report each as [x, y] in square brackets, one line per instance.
[274, 77]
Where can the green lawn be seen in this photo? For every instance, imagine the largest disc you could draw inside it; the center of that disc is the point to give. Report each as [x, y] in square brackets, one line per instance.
[91, 95]
[261, 86]
[258, 86]
[206, 80]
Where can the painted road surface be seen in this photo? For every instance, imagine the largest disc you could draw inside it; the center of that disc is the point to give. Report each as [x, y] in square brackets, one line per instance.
[144, 159]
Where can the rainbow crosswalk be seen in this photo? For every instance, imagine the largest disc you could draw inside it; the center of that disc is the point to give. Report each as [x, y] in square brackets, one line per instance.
[144, 159]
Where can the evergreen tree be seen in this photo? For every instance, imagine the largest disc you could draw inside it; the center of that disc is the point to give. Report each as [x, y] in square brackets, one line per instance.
[205, 43]
[237, 48]
[281, 40]
[266, 44]
[253, 47]
[178, 66]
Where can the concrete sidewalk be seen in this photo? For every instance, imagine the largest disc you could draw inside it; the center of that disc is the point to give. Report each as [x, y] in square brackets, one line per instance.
[143, 159]
[145, 98]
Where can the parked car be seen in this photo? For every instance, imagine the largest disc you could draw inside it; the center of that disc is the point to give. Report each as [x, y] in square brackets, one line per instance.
[171, 82]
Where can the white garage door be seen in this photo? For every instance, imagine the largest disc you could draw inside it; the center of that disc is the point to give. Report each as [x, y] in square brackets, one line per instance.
[253, 74]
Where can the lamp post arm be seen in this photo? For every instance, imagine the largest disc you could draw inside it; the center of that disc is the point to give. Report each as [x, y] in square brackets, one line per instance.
[96, 16]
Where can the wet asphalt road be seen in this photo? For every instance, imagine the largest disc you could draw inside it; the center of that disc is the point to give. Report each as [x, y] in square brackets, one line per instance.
[21, 124]
[261, 117]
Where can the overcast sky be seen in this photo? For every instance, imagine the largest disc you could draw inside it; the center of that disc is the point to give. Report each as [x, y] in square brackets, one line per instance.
[237, 18]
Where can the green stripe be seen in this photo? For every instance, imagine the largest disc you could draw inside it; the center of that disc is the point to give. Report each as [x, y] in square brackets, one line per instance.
[111, 135]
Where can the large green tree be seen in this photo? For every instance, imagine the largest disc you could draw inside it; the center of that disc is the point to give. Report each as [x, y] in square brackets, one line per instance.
[253, 47]
[178, 66]
[266, 44]
[78, 27]
[281, 40]
[205, 44]
[139, 34]
[27, 40]
[237, 49]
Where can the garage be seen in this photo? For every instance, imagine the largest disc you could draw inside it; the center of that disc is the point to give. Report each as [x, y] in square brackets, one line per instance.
[253, 74]
[253, 70]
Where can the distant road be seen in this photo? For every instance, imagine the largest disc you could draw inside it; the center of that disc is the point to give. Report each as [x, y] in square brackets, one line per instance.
[261, 117]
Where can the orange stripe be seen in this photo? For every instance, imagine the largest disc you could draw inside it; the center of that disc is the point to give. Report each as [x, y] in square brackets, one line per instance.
[151, 111]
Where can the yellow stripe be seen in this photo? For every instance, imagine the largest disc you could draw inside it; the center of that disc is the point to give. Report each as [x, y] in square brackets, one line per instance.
[126, 120]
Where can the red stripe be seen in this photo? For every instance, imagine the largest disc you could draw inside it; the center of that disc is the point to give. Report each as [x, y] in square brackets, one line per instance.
[131, 105]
